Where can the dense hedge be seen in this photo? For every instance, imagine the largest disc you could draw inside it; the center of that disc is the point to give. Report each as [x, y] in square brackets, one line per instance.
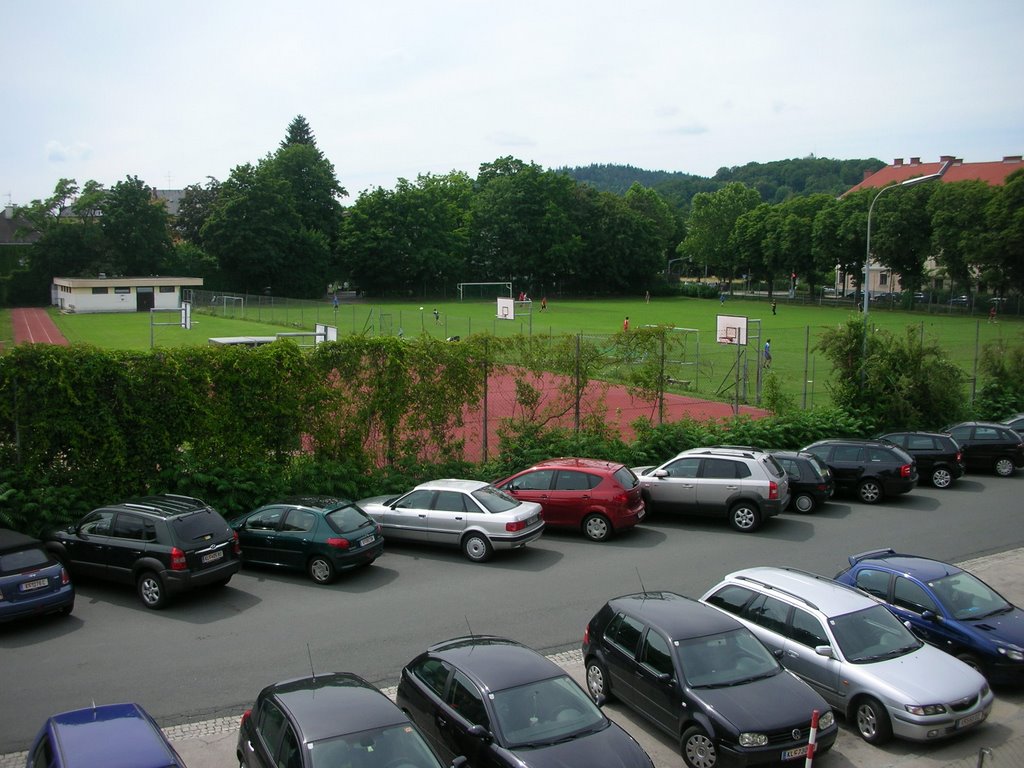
[80, 426]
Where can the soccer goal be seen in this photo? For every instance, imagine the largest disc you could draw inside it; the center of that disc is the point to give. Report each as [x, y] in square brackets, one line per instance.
[486, 291]
[229, 306]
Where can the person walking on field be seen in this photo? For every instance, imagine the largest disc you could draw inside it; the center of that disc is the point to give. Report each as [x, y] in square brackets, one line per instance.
[543, 303]
[773, 306]
[992, 314]
[625, 324]
[768, 354]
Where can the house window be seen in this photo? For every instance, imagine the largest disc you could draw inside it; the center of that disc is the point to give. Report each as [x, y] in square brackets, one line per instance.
[883, 278]
[122, 290]
[99, 291]
[166, 289]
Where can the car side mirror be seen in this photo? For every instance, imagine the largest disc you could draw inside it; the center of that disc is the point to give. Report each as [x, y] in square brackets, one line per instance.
[659, 473]
[929, 615]
[824, 650]
[600, 700]
[459, 761]
[479, 732]
[777, 653]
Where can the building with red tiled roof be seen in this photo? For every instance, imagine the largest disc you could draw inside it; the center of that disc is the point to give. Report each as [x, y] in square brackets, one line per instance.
[883, 280]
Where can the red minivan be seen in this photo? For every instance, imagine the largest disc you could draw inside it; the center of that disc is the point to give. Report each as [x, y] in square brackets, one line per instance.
[597, 497]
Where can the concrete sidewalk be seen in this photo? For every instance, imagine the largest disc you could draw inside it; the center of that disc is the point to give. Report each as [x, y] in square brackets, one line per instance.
[211, 743]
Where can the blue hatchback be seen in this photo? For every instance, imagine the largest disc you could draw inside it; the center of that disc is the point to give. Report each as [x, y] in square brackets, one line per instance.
[109, 736]
[31, 580]
[946, 607]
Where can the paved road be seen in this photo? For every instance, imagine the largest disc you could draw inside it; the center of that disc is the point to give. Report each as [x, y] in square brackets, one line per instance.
[208, 654]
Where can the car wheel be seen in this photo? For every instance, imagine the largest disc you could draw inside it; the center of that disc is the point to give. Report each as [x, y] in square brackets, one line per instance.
[67, 609]
[597, 680]
[804, 503]
[745, 517]
[1004, 467]
[869, 491]
[872, 721]
[697, 748]
[320, 569]
[151, 590]
[597, 527]
[942, 477]
[477, 548]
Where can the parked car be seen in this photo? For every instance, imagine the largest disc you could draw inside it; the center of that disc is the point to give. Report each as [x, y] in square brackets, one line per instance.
[960, 301]
[947, 607]
[856, 654]
[319, 535]
[499, 703]
[469, 514]
[599, 498]
[110, 735]
[870, 468]
[810, 480]
[327, 720]
[32, 581]
[163, 545]
[938, 456]
[743, 485]
[1015, 422]
[702, 678]
[988, 446]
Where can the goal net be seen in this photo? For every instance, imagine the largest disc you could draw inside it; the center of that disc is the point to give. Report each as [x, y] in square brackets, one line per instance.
[484, 291]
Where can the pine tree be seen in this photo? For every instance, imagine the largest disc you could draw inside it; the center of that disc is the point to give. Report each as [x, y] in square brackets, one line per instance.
[299, 132]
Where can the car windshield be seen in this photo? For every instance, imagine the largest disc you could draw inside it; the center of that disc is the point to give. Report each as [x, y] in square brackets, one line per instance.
[967, 597]
[23, 560]
[398, 745]
[873, 634]
[348, 518]
[545, 712]
[728, 658]
[494, 500]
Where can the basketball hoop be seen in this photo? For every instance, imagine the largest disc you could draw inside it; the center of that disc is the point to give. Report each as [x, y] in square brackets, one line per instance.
[727, 339]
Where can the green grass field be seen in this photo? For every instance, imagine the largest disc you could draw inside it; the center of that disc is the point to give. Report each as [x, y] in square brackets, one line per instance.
[708, 365]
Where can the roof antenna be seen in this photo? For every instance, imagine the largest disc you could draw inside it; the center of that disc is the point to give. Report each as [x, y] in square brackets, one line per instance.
[641, 580]
[470, 628]
[311, 670]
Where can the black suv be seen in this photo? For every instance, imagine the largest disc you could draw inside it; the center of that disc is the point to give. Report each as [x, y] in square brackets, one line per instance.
[871, 468]
[704, 679]
[162, 544]
[938, 455]
[989, 447]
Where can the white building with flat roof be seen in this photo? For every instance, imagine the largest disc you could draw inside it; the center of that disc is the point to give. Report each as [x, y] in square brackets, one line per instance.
[121, 294]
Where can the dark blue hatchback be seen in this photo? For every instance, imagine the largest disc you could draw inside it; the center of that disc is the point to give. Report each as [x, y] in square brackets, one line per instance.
[108, 736]
[947, 607]
[31, 580]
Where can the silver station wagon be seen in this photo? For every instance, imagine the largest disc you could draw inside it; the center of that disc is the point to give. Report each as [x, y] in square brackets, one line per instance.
[856, 654]
[469, 514]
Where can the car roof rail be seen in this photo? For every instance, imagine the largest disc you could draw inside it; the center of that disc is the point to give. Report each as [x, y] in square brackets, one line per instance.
[781, 590]
[137, 505]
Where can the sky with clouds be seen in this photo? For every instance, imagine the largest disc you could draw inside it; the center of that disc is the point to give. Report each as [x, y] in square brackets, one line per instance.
[178, 91]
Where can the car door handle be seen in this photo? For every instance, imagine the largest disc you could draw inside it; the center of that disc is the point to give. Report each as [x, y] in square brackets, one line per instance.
[423, 516]
[732, 487]
[441, 722]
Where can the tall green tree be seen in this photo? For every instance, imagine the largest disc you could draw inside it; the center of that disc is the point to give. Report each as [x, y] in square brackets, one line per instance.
[839, 235]
[136, 227]
[194, 209]
[712, 219]
[1004, 215]
[901, 232]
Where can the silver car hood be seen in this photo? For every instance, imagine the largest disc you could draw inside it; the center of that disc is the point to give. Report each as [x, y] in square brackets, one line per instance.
[926, 676]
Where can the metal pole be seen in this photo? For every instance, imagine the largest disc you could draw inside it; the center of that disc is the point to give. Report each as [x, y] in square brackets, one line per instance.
[974, 378]
[807, 350]
[487, 359]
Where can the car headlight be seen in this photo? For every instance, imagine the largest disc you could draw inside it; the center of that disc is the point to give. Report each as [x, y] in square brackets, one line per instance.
[927, 709]
[1013, 654]
[826, 720]
[753, 740]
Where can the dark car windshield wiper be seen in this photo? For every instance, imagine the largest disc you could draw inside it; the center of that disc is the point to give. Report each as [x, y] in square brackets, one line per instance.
[1005, 609]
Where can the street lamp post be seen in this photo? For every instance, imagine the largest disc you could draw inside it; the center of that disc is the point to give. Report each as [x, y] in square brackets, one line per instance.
[867, 257]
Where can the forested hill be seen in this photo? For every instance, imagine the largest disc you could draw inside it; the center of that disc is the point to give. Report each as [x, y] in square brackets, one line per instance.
[776, 181]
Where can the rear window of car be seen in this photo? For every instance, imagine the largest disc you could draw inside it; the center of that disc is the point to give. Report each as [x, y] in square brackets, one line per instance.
[494, 500]
[23, 560]
[818, 465]
[347, 519]
[774, 468]
[624, 476]
[199, 526]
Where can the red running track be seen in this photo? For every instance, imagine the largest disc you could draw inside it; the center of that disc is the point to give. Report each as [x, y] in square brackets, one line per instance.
[35, 327]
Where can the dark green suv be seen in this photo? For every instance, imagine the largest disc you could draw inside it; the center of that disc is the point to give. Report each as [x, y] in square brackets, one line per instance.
[162, 545]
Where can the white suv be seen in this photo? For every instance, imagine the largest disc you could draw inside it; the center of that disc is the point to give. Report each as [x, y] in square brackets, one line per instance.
[741, 483]
[856, 654]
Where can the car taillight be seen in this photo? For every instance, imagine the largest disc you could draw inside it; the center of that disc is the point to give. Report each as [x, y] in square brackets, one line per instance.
[337, 543]
[178, 561]
[773, 489]
[517, 525]
[821, 487]
[905, 470]
[959, 456]
[620, 498]
[65, 579]
[237, 544]
[586, 635]
[246, 715]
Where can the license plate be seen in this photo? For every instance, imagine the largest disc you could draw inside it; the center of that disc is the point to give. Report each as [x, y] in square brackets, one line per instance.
[28, 586]
[533, 520]
[977, 717]
[366, 541]
[212, 557]
[640, 514]
[792, 754]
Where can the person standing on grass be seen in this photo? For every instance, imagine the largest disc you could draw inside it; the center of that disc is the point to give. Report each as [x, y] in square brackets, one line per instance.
[773, 306]
[625, 324]
[992, 314]
[543, 303]
[768, 354]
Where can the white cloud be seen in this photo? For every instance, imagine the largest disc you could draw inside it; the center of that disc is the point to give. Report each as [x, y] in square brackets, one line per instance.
[57, 152]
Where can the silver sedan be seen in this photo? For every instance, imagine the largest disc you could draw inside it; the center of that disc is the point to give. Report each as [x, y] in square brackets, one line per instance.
[469, 514]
